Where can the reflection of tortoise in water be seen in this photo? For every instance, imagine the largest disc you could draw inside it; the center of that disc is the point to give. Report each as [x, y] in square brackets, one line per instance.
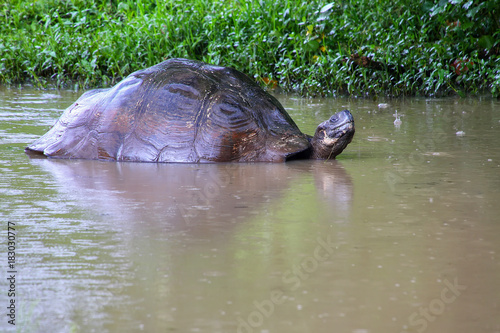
[187, 111]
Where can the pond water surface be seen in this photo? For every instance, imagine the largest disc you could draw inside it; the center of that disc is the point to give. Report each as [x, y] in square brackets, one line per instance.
[400, 234]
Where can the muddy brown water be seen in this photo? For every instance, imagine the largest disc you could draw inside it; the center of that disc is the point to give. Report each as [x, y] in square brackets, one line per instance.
[400, 234]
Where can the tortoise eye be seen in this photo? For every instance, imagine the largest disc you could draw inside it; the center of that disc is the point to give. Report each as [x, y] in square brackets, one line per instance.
[334, 118]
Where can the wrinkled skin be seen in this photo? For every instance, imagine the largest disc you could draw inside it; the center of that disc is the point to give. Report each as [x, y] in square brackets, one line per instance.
[187, 111]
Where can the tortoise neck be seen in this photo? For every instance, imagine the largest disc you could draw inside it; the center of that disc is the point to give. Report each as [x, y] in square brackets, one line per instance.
[320, 151]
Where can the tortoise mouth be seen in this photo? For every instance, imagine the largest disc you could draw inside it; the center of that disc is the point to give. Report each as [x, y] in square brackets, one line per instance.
[332, 136]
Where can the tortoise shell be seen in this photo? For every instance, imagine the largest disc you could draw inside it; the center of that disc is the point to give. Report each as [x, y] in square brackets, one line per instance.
[177, 111]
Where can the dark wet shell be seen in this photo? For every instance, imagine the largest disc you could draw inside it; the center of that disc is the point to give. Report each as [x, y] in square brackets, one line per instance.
[176, 111]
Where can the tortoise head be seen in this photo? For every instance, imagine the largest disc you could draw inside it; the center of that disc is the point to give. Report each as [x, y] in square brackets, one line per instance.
[333, 135]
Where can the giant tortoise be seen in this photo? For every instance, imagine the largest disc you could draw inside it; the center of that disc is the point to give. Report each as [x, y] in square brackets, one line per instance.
[188, 111]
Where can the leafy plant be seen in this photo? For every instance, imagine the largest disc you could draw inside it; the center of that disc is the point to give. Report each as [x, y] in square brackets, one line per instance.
[355, 47]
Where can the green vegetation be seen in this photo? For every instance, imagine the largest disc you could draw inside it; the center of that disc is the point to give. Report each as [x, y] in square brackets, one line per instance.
[353, 47]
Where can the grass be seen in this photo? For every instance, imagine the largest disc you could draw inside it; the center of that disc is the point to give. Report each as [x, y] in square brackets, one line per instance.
[347, 47]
